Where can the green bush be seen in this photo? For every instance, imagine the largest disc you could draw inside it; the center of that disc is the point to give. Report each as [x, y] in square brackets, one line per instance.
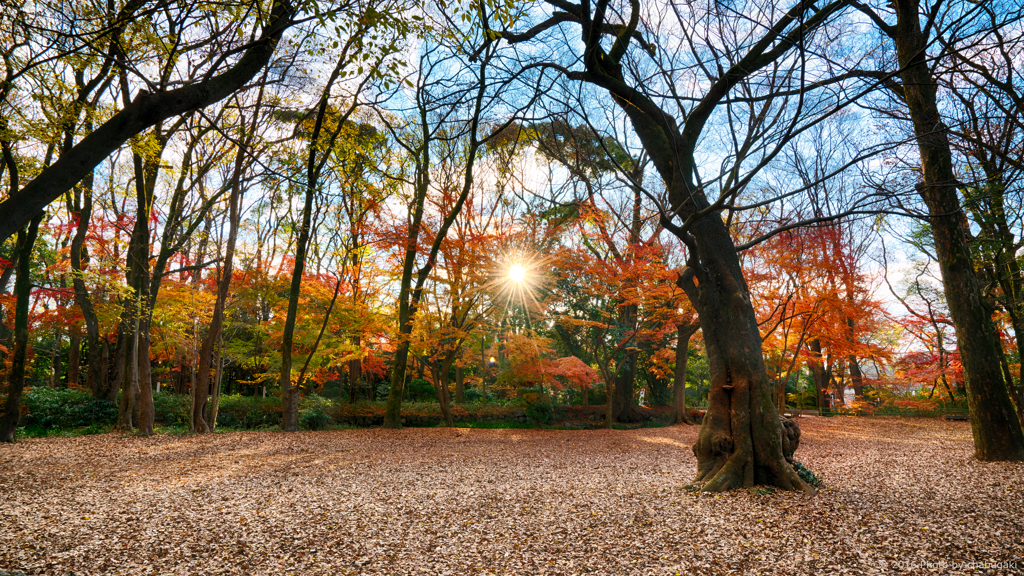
[472, 395]
[171, 409]
[538, 406]
[314, 419]
[66, 408]
[419, 390]
[237, 411]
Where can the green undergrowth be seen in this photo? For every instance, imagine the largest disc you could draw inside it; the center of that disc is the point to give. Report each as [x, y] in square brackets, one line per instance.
[496, 425]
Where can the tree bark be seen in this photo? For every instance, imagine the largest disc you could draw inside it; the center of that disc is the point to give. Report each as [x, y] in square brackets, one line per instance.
[22, 292]
[355, 372]
[460, 385]
[679, 413]
[997, 431]
[96, 375]
[817, 373]
[74, 360]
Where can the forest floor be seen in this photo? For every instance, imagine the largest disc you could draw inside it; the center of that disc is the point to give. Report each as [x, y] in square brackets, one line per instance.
[899, 496]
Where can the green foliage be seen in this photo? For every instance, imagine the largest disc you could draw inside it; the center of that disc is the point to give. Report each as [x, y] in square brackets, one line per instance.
[419, 390]
[538, 406]
[315, 412]
[248, 412]
[474, 396]
[314, 419]
[806, 475]
[172, 409]
[66, 408]
[496, 425]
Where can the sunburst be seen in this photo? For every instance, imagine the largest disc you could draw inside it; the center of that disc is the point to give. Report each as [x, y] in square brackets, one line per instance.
[517, 280]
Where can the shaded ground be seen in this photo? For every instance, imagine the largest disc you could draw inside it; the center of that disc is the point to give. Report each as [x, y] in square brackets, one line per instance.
[899, 496]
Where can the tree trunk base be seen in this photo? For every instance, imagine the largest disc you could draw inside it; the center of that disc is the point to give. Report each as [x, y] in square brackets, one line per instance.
[635, 415]
[721, 466]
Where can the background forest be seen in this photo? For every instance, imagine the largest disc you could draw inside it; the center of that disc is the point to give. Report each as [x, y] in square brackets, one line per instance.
[250, 213]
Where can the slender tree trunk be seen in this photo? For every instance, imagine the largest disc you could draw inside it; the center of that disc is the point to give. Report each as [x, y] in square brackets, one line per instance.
[460, 385]
[818, 373]
[314, 164]
[74, 359]
[355, 372]
[679, 413]
[215, 399]
[290, 393]
[441, 370]
[214, 334]
[997, 431]
[22, 293]
[96, 374]
[55, 355]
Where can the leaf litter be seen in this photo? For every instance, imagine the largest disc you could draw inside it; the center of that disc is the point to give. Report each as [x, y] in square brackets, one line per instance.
[899, 496]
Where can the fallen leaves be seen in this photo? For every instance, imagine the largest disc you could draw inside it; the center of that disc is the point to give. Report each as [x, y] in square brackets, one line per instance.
[900, 495]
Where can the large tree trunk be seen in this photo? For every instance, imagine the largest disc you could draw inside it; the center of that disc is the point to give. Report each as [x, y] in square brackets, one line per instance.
[740, 440]
[137, 274]
[679, 413]
[997, 431]
[460, 385]
[856, 378]
[22, 293]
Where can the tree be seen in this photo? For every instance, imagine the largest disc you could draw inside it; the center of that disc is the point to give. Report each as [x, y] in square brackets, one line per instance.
[997, 431]
[436, 101]
[22, 291]
[145, 109]
[740, 439]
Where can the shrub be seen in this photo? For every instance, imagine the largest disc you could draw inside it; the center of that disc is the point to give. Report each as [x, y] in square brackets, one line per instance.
[314, 419]
[237, 411]
[419, 390]
[66, 408]
[171, 409]
[475, 395]
[538, 406]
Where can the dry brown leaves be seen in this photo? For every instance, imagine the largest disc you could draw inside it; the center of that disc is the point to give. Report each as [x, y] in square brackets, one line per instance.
[900, 496]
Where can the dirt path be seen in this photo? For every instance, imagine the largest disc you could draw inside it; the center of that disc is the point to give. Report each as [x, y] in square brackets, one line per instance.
[900, 494]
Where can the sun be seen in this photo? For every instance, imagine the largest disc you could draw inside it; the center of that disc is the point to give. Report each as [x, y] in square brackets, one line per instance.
[517, 273]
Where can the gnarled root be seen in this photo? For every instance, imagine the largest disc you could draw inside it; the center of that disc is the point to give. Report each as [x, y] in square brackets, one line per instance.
[790, 438]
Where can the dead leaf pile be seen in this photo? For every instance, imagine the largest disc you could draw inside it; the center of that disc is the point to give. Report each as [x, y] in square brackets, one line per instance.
[899, 496]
